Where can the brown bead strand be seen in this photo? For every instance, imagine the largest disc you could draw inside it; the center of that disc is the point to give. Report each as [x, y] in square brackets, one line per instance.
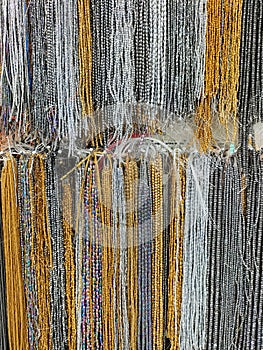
[42, 243]
[16, 306]
[131, 192]
[157, 260]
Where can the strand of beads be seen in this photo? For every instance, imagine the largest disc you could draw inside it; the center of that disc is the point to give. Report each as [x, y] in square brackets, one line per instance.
[194, 295]
[252, 325]
[16, 307]
[57, 273]
[120, 236]
[29, 275]
[86, 268]
[14, 62]
[250, 99]
[38, 60]
[175, 273]
[131, 188]
[66, 73]
[108, 258]
[144, 258]
[85, 56]
[186, 54]
[42, 247]
[157, 256]
[3, 299]
[68, 231]
[230, 259]
[97, 257]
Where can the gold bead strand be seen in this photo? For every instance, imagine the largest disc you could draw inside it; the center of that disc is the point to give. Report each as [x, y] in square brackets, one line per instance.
[85, 57]
[171, 331]
[131, 189]
[231, 37]
[157, 268]
[16, 305]
[42, 248]
[212, 73]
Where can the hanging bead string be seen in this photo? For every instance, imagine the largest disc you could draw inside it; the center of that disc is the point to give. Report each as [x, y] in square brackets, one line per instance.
[157, 255]
[39, 70]
[42, 247]
[68, 230]
[121, 74]
[52, 120]
[141, 50]
[221, 70]
[108, 259]
[122, 337]
[57, 273]
[229, 70]
[175, 277]
[225, 275]
[231, 272]
[87, 319]
[67, 70]
[145, 340]
[85, 56]
[3, 299]
[131, 196]
[80, 174]
[16, 299]
[101, 27]
[250, 97]
[15, 74]
[186, 50]
[252, 325]
[157, 50]
[97, 256]
[194, 294]
[212, 72]
[28, 251]
[215, 245]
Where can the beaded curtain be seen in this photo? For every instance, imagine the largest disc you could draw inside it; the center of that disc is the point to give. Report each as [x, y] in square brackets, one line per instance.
[131, 175]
